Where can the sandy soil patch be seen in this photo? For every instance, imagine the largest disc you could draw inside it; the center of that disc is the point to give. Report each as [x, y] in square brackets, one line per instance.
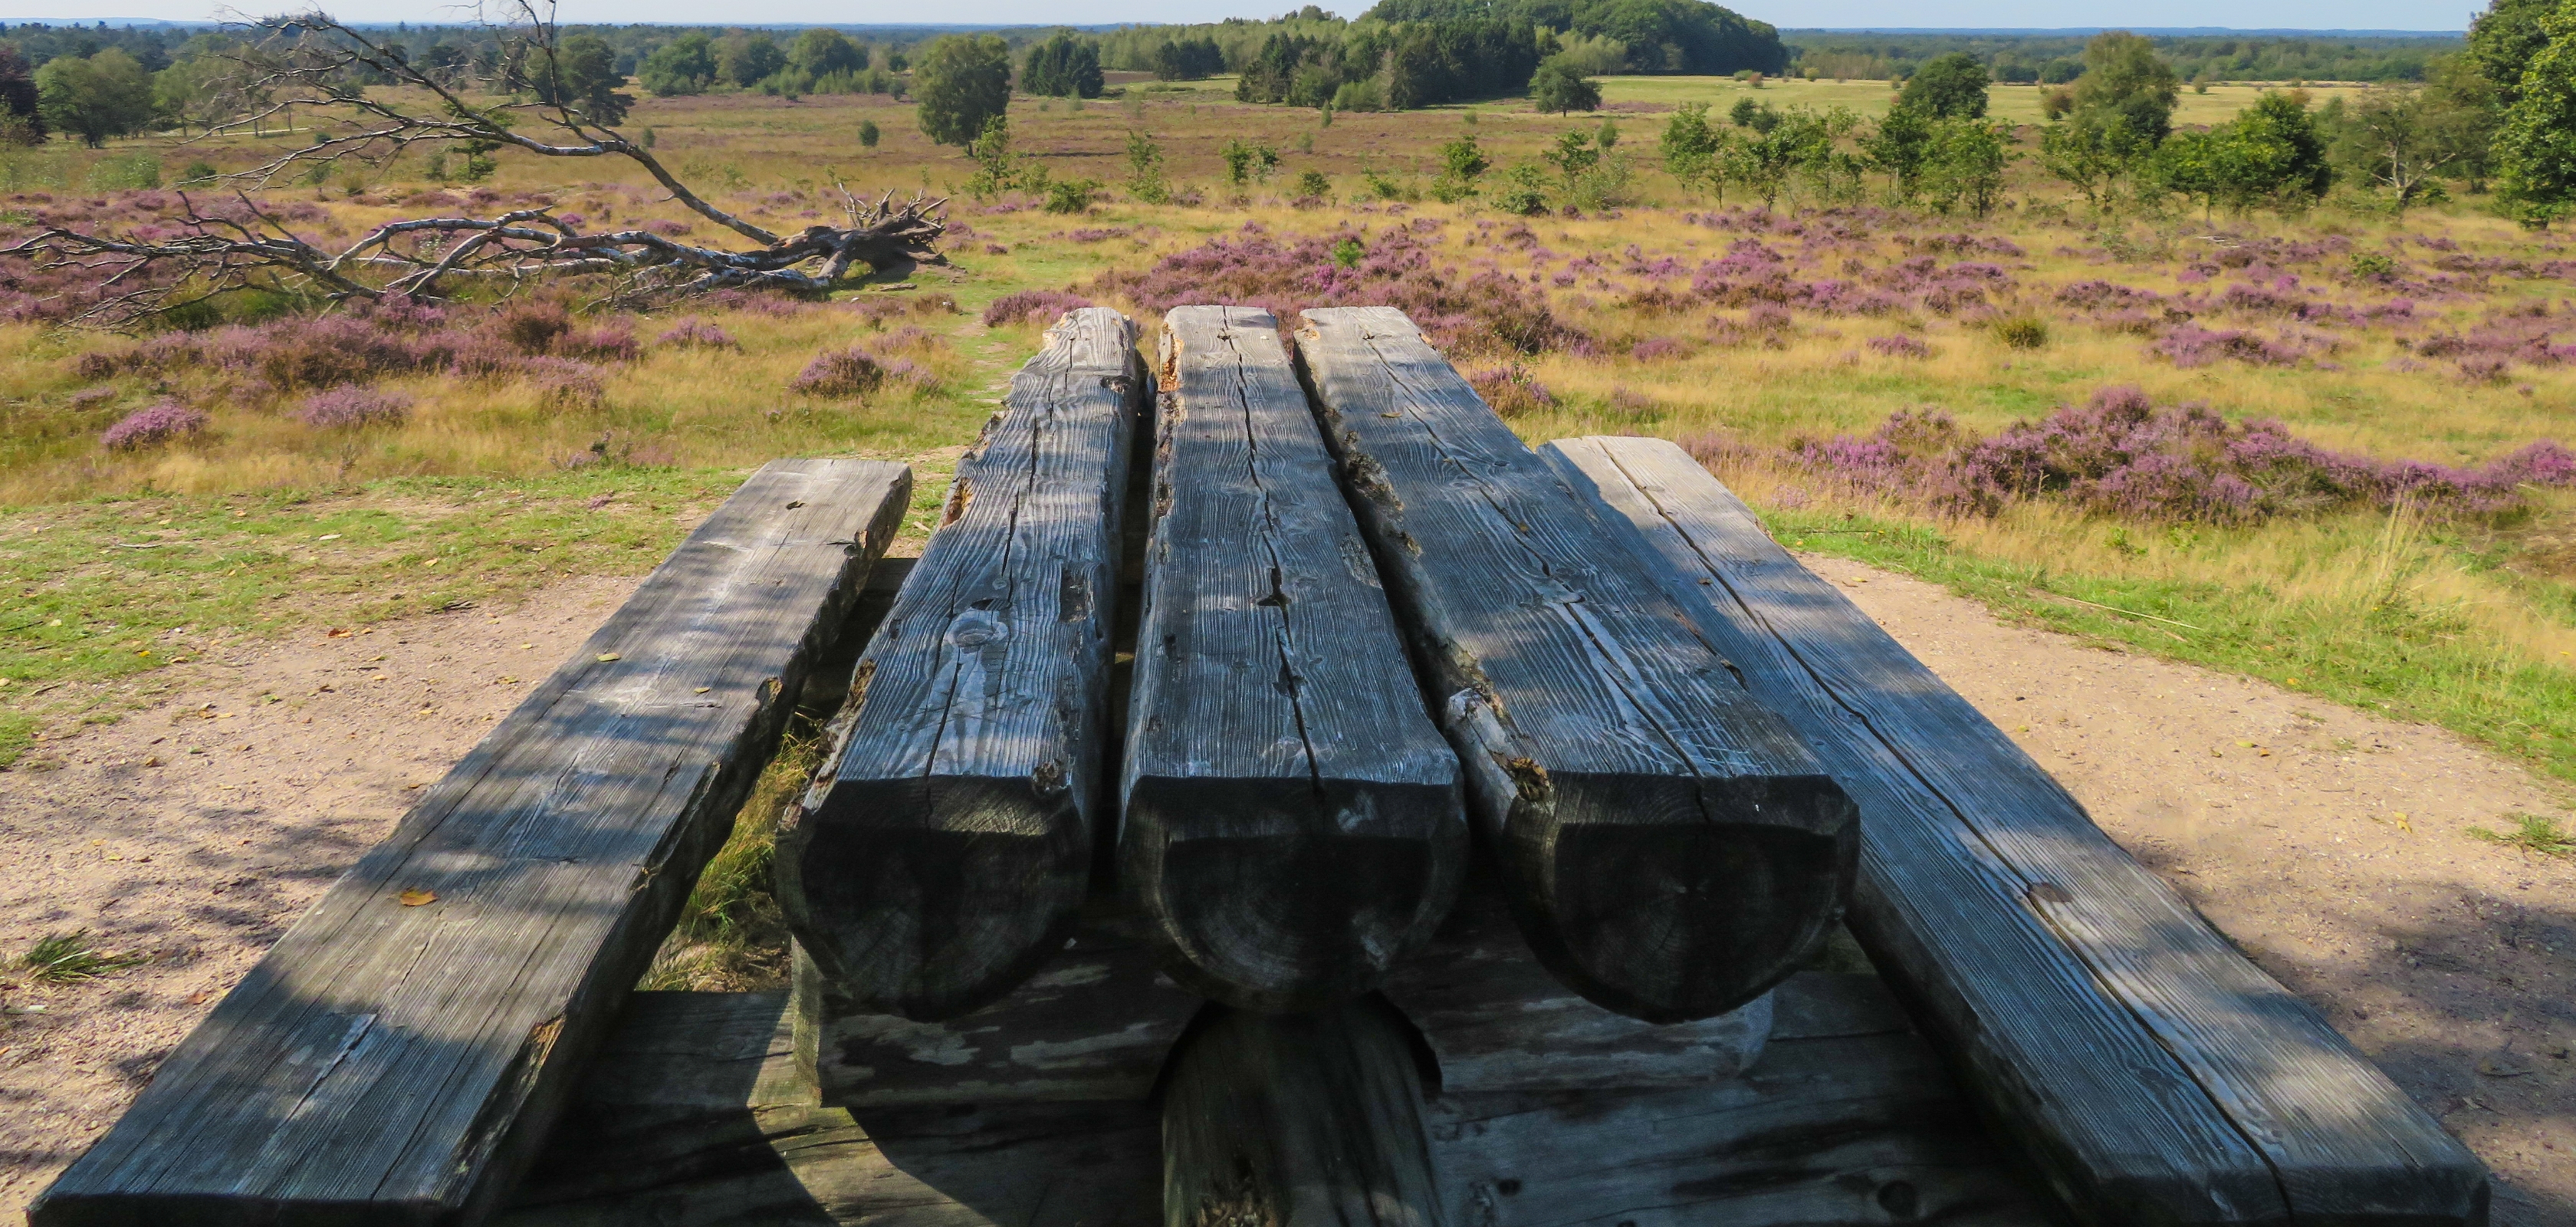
[196, 831]
[2331, 845]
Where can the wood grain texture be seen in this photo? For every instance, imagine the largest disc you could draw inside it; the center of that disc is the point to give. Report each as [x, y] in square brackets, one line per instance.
[1297, 1120]
[1672, 850]
[400, 1052]
[1095, 1024]
[2152, 1072]
[1292, 821]
[942, 853]
[1823, 1133]
[1498, 1022]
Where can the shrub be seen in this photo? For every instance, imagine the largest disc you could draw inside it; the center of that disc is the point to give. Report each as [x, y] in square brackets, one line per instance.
[695, 333]
[1900, 345]
[156, 424]
[1657, 349]
[565, 382]
[2022, 331]
[1511, 390]
[840, 373]
[2120, 455]
[350, 406]
[531, 327]
[1032, 306]
[1071, 195]
[607, 343]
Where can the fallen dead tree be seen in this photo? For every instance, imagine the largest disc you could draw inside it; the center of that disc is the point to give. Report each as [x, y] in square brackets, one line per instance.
[336, 77]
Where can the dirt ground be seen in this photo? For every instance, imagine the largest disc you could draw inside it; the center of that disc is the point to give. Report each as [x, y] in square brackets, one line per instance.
[2330, 844]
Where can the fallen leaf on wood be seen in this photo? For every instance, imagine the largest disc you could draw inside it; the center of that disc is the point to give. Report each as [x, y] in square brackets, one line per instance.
[416, 897]
[605, 657]
[337, 632]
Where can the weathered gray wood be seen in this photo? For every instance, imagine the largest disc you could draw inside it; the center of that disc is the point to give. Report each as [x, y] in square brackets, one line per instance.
[1671, 849]
[1297, 1120]
[941, 855]
[1291, 823]
[1095, 1024]
[399, 1053]
[2153, 1072]
[1498, 1022]
[1846, 1132]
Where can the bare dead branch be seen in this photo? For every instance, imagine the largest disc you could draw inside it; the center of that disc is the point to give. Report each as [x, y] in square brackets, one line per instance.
[315, 63]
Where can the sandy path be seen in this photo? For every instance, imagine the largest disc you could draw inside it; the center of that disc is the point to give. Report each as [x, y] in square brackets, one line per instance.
[196, 830]
[2447, 959]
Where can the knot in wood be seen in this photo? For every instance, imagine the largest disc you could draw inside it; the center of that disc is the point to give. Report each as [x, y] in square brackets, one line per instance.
[975, 628]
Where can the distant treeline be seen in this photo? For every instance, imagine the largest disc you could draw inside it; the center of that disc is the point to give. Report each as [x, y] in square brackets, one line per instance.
[2055, 59]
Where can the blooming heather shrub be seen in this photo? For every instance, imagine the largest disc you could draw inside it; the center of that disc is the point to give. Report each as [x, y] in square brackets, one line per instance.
[1658, 349]
[565, 382]
[911, 374]
[531, 327]
[1630, 401]
[1901, 345]
[606, 343]
[321, 353]
[1032, 307]
[2190, 345]
[156, 424]
[2120, 455]
[349, 406]
[695, 333]
[1462, 313]
[840, 373]
[1511, 390]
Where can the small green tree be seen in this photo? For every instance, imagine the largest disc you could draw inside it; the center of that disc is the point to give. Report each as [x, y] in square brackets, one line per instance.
[822, 51]
[2124, 76]
[2399, 138]
[869, 134]
[1900, 147]
[2270, 154]
[2535, 145]
[1557, 87]
[747, 59]
[1462, 163]
[998, 169]
[1952, 86]
[685, 65]
[1572, 155]
[2094, 152]
[580, 74]
[1524, 190]
[95, 97]
[1246, 163]
[1689, 145]
[1063, 66]
[1748, 113]
[1145, 168]
[1964, 169]
[962, 82]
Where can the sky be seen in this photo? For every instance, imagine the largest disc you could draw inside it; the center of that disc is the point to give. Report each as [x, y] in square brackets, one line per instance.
[1809, 14]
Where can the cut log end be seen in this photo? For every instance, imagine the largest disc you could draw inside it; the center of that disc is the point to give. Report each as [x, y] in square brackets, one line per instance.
[1291, 911]
[925, 922]
[1674, 921]
[1280, 1121]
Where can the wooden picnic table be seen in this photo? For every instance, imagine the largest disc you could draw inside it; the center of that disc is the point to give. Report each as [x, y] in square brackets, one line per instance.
[1257, 973]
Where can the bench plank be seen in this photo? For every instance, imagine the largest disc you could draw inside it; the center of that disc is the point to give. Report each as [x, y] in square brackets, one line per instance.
[1671, 849]
[399, 1053]
[940, 857]
[2152, 1071]
[1292, 821]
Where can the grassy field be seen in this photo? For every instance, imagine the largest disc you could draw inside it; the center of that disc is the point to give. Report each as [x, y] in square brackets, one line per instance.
[122, 560]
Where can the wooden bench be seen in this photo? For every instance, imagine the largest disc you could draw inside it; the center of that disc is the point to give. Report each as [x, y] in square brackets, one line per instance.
[2151, 1071]
[400, 1053]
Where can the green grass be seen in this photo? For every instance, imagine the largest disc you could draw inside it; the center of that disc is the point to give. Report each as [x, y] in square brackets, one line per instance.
[2399, 657]
[67, 958]
[109, 588]
[2532, 833]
